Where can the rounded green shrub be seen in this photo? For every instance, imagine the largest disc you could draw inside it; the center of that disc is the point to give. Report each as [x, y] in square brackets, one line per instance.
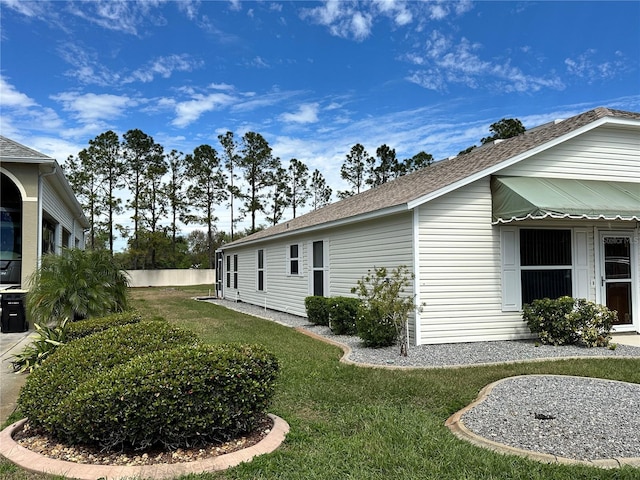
[76, 362]
[376, 328]
[343, 312]
[317, 308]
[179, 397]
[83, 328]
[567, 321]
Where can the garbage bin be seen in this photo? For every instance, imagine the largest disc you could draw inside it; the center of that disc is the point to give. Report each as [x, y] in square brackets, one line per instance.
[14, 318]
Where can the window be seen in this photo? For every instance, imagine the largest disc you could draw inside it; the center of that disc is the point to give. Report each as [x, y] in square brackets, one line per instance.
[545, 264]
[66, 236]
[235, 272]
[539, 263]
[48, 236]
[294, 260]
[260, 270]
[228, 271]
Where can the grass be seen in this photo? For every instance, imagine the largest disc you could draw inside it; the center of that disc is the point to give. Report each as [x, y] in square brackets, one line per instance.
[349, 422]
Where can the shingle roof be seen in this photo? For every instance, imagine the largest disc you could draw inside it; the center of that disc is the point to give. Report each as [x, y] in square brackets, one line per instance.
[10, 149]
[438, 176]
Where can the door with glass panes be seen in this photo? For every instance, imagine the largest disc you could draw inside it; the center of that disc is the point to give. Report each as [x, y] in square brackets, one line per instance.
[617, 276]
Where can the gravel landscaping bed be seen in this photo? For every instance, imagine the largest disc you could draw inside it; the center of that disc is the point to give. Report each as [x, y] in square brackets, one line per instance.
[571, 417]
[445, 355]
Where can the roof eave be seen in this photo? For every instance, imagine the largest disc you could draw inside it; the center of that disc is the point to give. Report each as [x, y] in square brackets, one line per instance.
[322, 226]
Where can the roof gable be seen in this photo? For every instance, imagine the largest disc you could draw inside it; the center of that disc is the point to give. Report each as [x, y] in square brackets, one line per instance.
[444, 176]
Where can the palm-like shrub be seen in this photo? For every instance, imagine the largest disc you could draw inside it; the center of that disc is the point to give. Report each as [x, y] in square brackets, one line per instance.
[76, 284]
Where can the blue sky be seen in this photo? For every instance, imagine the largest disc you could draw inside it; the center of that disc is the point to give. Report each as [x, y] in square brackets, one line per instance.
[314, 78]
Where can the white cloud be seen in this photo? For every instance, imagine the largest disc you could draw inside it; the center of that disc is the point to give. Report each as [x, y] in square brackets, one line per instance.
[91, 107]
[163, 66]
[258, 62]
[189, 8]
[85, 66]
[28, 9]
[191, 110]
[342, 19]
[397, 10]
[22, 113]
[587, 67]
[355, 20]
[445, 62]
[118, 15]
[12, 98]
[307, 113]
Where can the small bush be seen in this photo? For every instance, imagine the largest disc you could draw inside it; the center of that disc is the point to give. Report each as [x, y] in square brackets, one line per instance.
[82, 328]
[46, 341]
[179, 397]
[376, 328]
[567, 321]
[384, 293]
[317, 309]
[76, 284]
[76, 362]
[342, 315]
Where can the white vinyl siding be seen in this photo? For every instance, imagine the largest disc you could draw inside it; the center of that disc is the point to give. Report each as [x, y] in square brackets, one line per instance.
[351, 251]
[59, 215]
[606, 153]
[385, 242]
[460, 273]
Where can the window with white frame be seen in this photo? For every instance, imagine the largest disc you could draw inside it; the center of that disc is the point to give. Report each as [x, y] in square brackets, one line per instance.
[545, 264]
[293, 259]
[228, 271]
[235, 271]
[542, 263]
[260, 270]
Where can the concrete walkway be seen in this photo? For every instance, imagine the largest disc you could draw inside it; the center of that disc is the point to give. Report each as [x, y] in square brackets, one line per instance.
[10, 382]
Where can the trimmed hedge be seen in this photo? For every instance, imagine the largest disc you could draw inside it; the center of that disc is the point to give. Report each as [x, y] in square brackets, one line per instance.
[83, 328]
[317, 309]
[85, 358]
[179, 397]
[342, 315]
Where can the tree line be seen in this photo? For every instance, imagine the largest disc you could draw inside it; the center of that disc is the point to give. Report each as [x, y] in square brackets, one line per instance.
[165, 189]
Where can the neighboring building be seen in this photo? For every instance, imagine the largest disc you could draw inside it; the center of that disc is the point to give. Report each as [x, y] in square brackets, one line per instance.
[38, 210]
[554, 211]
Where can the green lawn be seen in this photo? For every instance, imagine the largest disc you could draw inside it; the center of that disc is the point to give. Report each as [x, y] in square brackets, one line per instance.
[350, 422]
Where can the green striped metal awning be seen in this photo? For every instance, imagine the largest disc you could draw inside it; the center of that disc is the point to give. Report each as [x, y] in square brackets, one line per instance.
[521, 198]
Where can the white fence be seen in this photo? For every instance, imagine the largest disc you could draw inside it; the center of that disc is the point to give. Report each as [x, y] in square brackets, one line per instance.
[171, 278]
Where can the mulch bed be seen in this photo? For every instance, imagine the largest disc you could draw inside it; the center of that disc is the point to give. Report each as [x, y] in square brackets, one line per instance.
[47, 446]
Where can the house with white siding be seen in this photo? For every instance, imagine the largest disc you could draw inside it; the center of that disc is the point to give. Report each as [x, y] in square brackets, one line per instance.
[38, 210]
[554, 211]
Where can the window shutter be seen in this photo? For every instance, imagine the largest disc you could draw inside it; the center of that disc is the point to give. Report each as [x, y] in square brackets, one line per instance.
[581, 264]
[511, 298]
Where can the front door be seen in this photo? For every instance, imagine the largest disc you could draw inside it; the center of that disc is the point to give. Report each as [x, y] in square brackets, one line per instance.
[617, 280]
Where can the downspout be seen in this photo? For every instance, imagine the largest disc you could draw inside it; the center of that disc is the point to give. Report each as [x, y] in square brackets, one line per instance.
[416, 277]
[40, 214]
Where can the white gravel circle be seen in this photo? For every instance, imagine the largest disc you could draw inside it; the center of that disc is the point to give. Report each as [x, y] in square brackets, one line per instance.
[571, 417]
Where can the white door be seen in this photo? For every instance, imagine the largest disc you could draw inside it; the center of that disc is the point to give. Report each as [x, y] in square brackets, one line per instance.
[617, 277]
